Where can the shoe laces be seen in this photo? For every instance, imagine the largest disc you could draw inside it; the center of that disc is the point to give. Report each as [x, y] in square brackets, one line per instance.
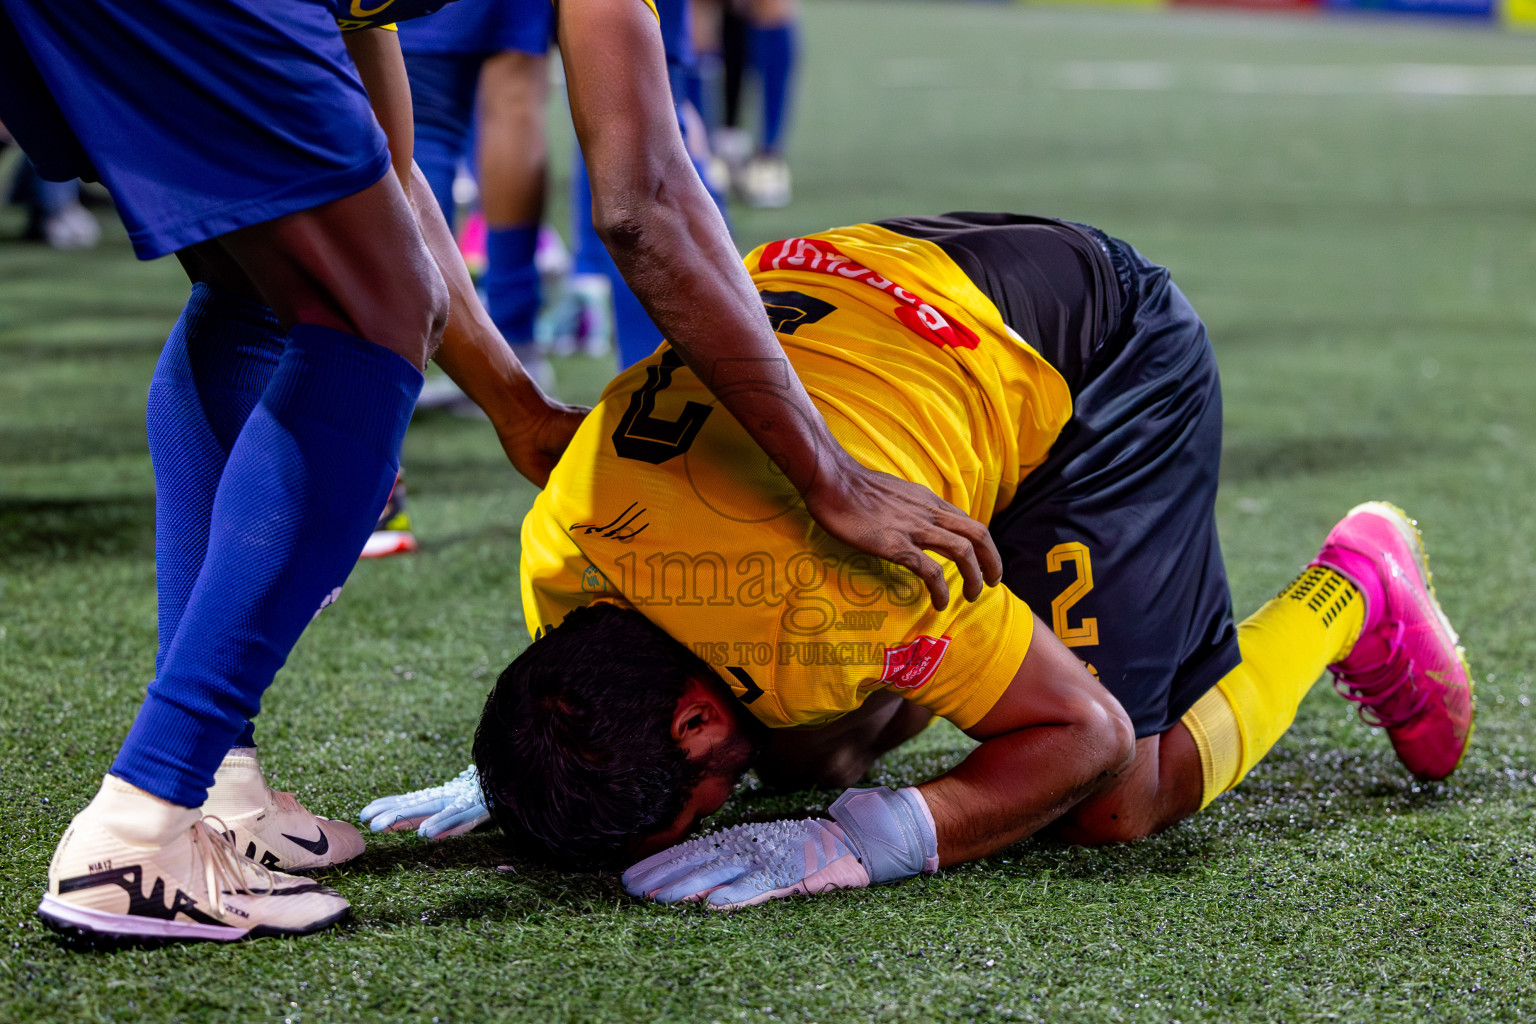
[1385, 692]
[224, 870]
[284, 801]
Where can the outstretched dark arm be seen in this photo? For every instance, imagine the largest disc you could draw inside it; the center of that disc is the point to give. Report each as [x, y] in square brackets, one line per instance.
[533, 428]
[673, 249]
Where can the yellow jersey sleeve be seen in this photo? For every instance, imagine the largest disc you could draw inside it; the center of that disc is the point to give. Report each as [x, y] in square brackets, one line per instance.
[663, 501]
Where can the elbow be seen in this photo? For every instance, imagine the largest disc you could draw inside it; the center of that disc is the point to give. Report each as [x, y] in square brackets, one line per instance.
[625, 206]
[621, 226]
[637, 219]
[649, 204]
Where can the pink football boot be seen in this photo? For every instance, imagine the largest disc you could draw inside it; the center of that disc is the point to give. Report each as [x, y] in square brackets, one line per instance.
[1405, 671]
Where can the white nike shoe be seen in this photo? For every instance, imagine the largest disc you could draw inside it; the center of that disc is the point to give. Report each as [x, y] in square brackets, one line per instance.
[765, 185]
[580, 322]
[132, 867]
[273, 828]
[732, 147]
[73, 227]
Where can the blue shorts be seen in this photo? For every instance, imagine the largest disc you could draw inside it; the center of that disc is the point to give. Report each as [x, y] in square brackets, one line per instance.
[200, 116]
[1112, 540]
[483, 27]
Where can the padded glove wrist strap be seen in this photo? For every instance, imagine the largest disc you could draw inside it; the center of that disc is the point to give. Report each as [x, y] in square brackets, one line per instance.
[891, 830]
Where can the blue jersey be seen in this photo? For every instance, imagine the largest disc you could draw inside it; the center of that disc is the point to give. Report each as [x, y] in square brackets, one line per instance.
[527, 26]
[483, 27]
[201, 116]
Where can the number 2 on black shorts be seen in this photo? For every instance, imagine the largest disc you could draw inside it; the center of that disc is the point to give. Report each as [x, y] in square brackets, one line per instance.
[1085, 634]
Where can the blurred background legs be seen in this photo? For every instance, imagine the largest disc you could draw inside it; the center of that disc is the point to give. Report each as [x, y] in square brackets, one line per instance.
[55, 213]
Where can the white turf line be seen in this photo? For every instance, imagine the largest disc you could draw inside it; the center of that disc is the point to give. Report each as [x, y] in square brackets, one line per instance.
[1301, 79]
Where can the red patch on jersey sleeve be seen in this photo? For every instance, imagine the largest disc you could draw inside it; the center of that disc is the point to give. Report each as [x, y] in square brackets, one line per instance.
[916, 313]
[913, 663]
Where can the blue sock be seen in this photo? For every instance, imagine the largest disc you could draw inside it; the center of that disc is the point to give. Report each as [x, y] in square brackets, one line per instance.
[512, 288]
[212, 371]
[773, 53]
[635, 334]
[635, 337]
[299, 496]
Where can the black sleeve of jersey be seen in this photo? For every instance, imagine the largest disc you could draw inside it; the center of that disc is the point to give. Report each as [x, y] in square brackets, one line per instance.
[354, 15]
[1051, 280]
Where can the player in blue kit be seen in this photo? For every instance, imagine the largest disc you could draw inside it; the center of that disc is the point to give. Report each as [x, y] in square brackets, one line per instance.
[763, 36]
[479, 86]
[275, 413]
[479, 72]
[239, 135]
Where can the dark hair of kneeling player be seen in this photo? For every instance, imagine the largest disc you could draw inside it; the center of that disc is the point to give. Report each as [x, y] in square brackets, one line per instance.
[574, 747]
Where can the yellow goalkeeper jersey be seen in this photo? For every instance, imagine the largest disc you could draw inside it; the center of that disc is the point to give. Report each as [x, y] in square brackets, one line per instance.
[665, 503]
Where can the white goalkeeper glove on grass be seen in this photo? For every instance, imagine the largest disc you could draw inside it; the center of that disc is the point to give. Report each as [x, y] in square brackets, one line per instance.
[437, 812]
[875, 836]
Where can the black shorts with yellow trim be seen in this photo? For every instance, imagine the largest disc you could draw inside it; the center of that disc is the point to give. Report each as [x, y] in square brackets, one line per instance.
[1112, 541]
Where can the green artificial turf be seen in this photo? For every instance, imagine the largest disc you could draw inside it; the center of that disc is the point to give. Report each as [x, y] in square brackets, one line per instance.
[1363, 259]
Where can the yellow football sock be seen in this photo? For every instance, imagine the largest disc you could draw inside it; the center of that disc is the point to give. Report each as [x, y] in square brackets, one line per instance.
[1285, 646]
[1214, 728]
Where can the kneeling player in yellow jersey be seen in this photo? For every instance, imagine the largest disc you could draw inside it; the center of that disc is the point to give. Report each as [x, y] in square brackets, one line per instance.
[693, 621]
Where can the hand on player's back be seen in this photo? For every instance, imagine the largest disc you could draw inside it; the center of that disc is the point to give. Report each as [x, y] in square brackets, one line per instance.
[897, 520]
[536, 438]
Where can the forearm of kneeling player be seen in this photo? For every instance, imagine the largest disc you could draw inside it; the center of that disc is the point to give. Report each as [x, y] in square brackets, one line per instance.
[1054, 738]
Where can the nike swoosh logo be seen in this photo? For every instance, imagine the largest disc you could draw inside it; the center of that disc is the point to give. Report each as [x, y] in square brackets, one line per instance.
[314, 846]
[359, 12]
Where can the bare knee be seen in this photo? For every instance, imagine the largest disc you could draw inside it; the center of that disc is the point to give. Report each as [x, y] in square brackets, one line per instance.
[357, 264]
[1148, 794]
[435, 311]
[406, 315]
[404, 309]
[1121, 746]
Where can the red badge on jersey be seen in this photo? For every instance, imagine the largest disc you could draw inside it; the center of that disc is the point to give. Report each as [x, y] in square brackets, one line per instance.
[913, 663]
[915, 313]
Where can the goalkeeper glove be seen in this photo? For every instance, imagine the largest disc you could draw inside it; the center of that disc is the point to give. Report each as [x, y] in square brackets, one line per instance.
[875, 836]
[437, 812]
